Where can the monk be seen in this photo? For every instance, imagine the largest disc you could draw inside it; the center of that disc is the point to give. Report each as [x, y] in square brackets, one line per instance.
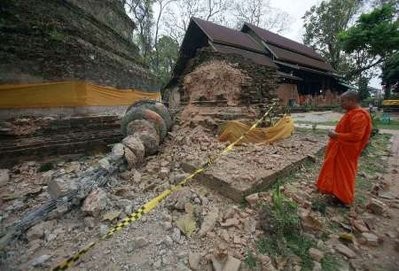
[350, 137]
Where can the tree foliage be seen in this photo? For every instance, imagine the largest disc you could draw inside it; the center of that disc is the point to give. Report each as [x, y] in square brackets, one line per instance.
[363, 88]
[375, 33]
[167, 50]
[142, 13]
[390, 73]
[322, 25]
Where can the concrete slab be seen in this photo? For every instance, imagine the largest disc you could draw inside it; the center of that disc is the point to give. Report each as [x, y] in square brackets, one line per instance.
[251, 168]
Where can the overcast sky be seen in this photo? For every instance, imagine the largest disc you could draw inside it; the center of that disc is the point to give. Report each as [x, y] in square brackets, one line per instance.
[296, 9]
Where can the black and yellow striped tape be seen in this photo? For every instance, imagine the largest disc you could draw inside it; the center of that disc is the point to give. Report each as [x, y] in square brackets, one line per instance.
[146, 208]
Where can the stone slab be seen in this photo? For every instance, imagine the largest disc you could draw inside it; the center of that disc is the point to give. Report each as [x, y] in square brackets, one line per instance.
[248, 169]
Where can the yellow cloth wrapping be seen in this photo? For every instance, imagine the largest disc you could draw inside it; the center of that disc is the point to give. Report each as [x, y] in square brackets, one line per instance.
[390, 102]
[232, 130]
[68, 94]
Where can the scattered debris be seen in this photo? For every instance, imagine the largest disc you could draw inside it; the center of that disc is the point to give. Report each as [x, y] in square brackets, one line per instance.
[370, 239]
[345, 251]
[316, 254]
[95, 202]
[4, 177]
[209, 222]
[194, 260]
[59, 187]
[39, 261]
[376, 206]
[252, 199]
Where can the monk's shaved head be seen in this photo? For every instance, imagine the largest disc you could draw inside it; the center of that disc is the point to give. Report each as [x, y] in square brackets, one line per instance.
[351, 95]
[350, 100]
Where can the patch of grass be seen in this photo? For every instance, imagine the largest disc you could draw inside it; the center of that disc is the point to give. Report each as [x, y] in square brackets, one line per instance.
[283, 236]
[300, 246]
[392, 125]
[320, 205]
[330, 263]
[371, 164]
[285, 215]
[310, 131]
[250, 260]
[56, 35]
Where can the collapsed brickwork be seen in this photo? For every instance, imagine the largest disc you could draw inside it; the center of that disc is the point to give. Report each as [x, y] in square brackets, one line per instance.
[70, 40]
[216, 87]
[259, 82]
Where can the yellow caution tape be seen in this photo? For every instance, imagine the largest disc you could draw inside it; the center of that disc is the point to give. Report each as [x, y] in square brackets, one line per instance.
[146, 208]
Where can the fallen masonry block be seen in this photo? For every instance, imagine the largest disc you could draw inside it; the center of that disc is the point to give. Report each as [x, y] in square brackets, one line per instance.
[130, 158]
[376, 206]
[370, 239]
[136, 146]
[142, 114]
[252, 199]
[117, 151]
[146, 132]
[240, 173]
[157, 107]
[59, 187]
[344, 250]
[95, 202]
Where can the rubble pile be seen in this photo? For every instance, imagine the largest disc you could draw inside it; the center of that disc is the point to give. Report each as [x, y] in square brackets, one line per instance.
[215, 81]
[218, 87]
[196, 228]
[255, 83]
[67, 193]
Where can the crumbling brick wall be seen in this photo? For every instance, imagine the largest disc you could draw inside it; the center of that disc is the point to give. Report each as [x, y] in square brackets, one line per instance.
[260, 88]
[287, 92]
[70, 40]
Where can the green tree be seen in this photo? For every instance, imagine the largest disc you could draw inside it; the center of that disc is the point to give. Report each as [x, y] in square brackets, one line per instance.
[322, 25]
[165, 56]
[390, 74]
[142, 13]
[363, 88]
[375, 34]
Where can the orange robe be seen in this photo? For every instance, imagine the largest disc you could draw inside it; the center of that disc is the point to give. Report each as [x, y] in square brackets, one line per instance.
[337, 175]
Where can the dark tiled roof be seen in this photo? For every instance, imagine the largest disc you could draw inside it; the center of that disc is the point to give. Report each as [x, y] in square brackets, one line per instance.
[295, 58]
[255, 57]
[297, 67]
[220, 34]
[280, 41]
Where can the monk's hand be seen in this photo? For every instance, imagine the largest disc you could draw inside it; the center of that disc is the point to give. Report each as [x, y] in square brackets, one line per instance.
[332, 134]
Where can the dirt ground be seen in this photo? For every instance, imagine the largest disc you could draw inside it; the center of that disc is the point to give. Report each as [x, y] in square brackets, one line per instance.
[195, 228]
[388, 226]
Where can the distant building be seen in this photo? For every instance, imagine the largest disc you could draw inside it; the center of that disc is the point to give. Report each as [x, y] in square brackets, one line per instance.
[304, 76]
